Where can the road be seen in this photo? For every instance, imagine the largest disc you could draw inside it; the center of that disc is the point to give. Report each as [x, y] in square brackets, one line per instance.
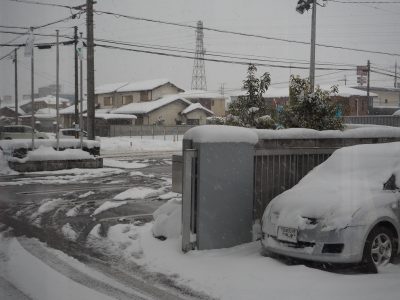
[39, 205]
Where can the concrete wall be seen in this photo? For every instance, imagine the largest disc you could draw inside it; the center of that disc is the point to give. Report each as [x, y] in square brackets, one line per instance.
[393, 98]
[53, 165]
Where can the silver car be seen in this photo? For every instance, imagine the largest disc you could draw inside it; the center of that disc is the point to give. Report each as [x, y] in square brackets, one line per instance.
[11, 132]
[346, 210]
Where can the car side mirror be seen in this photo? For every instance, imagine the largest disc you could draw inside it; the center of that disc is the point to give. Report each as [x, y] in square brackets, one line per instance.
[390, 184]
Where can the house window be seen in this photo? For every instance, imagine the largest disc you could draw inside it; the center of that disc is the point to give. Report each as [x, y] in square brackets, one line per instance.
[386, 100]
[107, 101]
[127, 99]
[144, 96]
[193, 121]
[139, 120]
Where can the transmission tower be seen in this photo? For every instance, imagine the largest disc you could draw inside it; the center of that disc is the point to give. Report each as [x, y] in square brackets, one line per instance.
[199, 70]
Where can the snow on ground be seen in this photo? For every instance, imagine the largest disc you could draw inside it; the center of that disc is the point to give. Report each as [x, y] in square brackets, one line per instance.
[64, 176]
[108, 205]
[136, 144]
[46, 206]
[36, 279]
[123, 164]
[169, 195]
[86, 194]
[69, 232]
[138, 193]
[73, 212]
[239, 272]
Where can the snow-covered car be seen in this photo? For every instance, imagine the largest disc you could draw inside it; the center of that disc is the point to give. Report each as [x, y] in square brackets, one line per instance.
[346, 210]
[11, 132]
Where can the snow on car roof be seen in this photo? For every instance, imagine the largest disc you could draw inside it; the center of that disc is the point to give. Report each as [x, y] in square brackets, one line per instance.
[146, 107]
[195, 106]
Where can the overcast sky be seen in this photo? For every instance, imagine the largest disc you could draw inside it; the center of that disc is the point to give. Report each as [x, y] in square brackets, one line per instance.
[365, 26]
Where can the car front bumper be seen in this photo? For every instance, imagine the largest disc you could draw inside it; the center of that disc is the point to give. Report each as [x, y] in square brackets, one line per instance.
[310, 245]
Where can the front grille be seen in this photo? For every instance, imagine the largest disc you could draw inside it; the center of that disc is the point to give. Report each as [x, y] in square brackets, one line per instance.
[299, 244]
[333, 248]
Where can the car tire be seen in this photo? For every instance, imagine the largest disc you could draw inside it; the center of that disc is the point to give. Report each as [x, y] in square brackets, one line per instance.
[380, 248]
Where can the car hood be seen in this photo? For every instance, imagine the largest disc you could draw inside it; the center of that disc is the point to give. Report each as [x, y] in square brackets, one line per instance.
[351, 180]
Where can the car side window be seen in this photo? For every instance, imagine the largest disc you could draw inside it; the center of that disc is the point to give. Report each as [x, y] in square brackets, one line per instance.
[390, 184]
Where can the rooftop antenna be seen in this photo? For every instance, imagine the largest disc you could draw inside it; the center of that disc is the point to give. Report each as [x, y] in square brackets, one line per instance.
[199, 70]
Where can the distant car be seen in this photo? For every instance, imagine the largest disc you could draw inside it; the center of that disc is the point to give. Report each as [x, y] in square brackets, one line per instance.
[346, 210]
[11, 132]
[69, 133]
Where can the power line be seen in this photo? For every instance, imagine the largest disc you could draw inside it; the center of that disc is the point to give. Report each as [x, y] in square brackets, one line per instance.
[47, 4]
[212, 59]
[366, 2]
[241, 33]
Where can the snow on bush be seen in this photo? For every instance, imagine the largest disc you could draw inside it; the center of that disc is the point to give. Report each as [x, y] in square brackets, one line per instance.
[48, 153]
[167, 219]
[4, 168]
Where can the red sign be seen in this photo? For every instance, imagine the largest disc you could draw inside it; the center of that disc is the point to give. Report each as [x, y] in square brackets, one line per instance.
[362, 70]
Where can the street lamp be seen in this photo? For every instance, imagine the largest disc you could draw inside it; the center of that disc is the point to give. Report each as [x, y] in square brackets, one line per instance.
[303, 5]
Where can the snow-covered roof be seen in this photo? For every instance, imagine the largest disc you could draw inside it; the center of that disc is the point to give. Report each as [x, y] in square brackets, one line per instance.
[50, 99]
[46, 112]
[201, 94]
[274, 92]
[106, 116]
[71, 109]
[135, 86]
[146, 107]
[195, 106]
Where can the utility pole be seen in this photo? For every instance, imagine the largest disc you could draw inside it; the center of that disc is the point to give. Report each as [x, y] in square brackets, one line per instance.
[395, 75]
[57, 91]
[370, 104]
[32, 93]
[16, 85]
[312, 56]
[90, 70]
[81, 99]
[76, 81]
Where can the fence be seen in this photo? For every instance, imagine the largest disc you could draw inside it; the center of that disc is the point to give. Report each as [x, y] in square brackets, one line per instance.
[376, 120]
[144, 130]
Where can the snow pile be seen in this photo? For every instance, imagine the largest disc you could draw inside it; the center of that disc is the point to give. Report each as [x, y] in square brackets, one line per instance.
[4, 168]
[108, 205]
[123, 239]
[10, 145]
[137, 193]
[69, 232]
[221, 134]
[73, 212]
[169, 195]
[123, 164]
[86, 194]
[167, 219]
[48, 153]
[46, 206]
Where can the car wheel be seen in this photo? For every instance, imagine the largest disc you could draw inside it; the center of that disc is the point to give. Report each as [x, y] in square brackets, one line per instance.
[380, 247]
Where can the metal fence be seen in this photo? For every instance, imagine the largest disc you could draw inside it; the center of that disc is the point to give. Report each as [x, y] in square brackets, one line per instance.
[278, 170]
[145, 130]
[375, 120]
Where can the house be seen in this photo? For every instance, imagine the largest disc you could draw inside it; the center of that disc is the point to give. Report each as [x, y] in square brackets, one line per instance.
[7, 115]
[45, 119]
[164, 111]
[118, 94]
[67, 114]
[352, 101]
[196, 114]
[210, 100]
[44, 102]
[387, 100]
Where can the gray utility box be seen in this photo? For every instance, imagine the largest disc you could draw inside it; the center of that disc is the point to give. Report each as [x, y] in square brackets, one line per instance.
[218, 206]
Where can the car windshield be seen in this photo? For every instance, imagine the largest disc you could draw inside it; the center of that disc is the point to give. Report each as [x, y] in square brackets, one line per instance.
[228, 149]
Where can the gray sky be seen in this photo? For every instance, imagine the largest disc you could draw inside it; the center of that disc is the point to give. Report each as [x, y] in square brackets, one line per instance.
[367, 26]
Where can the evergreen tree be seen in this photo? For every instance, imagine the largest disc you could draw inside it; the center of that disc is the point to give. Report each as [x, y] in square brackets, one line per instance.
[252, 110]
[310, 110]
